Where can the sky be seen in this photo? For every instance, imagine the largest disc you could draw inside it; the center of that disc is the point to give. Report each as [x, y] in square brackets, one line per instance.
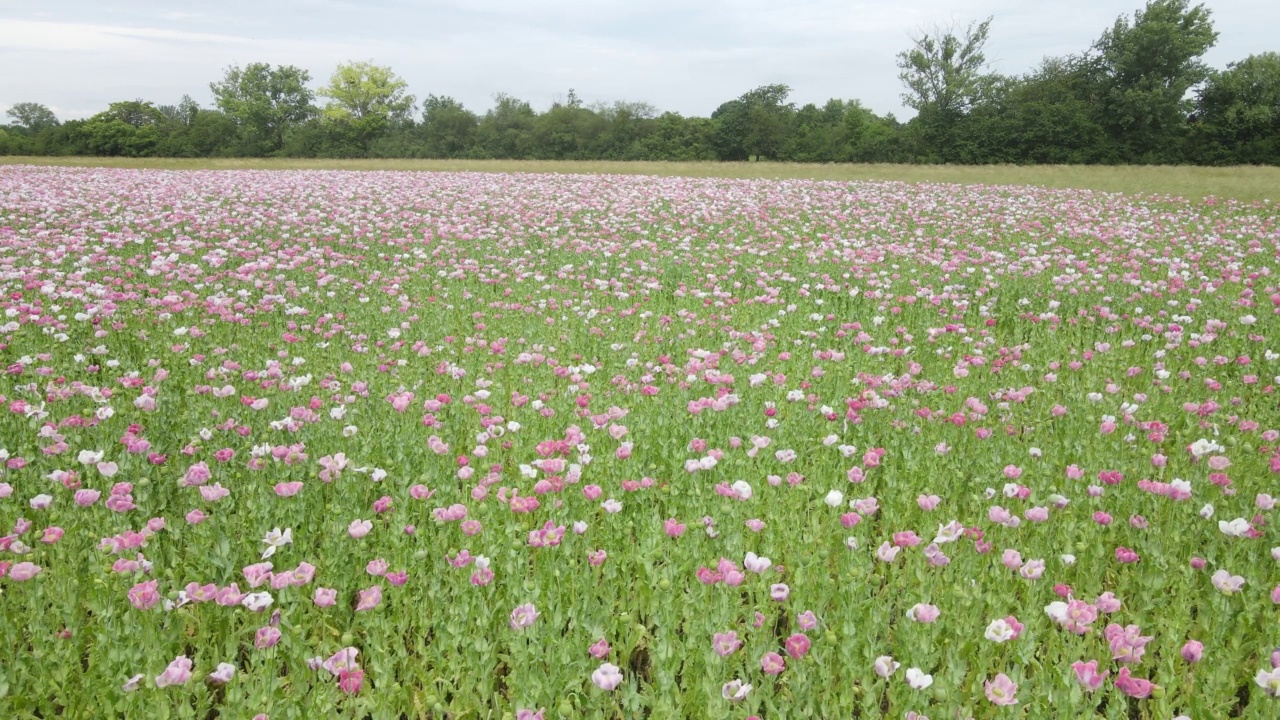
[78, 56]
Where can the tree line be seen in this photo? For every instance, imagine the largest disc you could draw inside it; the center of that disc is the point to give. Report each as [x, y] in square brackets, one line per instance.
[1140, 93]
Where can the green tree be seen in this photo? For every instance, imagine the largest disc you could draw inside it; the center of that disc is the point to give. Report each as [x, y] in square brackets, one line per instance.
[365, 102]
[32, 117]
[364, 92]
[448, 128]
[755, 125]
[131, 129]
[15, 144]
[625, 125]
[506, 131]
[1145, 68]
[1047, 116]
[567, 131]
[943, 74]
[264, 102]
[943, 71]
[184, 113]
[677, 138]
[1238, 112]
[819, 134]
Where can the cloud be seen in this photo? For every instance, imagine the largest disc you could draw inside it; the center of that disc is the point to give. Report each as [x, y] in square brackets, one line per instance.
[675, 54]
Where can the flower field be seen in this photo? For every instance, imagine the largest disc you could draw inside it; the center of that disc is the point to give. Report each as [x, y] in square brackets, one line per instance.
[319, 444]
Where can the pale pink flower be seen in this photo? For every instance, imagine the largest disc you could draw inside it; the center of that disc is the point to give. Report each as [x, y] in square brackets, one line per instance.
[1001, 690]
[771, 663]
[369, 599]
[523, 616]
[266, 637]
[726, 644]
[923, 613]
[178, 673]
[1087, 674]
[607, 677]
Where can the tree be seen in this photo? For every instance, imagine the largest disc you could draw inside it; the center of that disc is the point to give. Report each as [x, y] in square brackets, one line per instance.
[626, 124]
[32, 117]
[1145, 69]
[184, 113]
[756, 124]
[943, 71]
[447, 127]
[264, 102]
[362, 91]
[1048, 116]
[131, 128]
[678, 138]
[15, 144]
[819, 134]
[506, 131]
[1238, 112]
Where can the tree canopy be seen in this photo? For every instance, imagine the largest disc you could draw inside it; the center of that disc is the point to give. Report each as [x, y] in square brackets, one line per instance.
[1140, 93]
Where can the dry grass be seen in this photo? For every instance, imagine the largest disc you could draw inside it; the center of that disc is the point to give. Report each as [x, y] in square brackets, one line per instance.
[1242, 183]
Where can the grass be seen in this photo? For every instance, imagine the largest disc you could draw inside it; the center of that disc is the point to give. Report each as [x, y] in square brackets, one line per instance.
[1249, 183]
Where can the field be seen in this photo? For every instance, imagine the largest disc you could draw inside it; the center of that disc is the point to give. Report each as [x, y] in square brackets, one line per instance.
[1251, 183]
[313, 444]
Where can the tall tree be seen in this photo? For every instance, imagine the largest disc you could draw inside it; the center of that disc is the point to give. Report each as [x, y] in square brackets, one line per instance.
[943, 70]
[1145, 68]
[362, 91]
[756, 124]
[264, 102]
[944, 75]
[1238, 112]
[32, 117]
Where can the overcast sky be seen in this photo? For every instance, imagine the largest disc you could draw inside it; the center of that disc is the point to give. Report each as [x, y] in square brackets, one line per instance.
[77, 56]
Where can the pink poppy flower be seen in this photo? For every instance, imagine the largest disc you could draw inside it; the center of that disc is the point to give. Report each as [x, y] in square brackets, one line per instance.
[1133, 687]
[725, 644]
[144, 595]
[1087, 674]
[523, 616]
[772, 663]
[178, 673]
[350, 681]
[607, 677]
[369, 599]
[1002, 690]
[266, 637]
[797, 645]
[600, 649]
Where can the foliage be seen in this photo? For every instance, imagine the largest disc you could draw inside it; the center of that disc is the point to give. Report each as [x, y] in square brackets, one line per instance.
[264, 102]
[1144, 70]
[32, 118]
[755, 126]
[1238, 112]
[366, 102]
[943, 71]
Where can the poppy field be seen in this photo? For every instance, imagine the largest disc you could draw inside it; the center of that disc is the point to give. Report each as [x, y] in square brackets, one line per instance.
[309, 444]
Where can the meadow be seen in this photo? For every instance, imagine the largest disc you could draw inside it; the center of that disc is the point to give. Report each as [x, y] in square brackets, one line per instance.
[1245, 183]
[314, 443]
